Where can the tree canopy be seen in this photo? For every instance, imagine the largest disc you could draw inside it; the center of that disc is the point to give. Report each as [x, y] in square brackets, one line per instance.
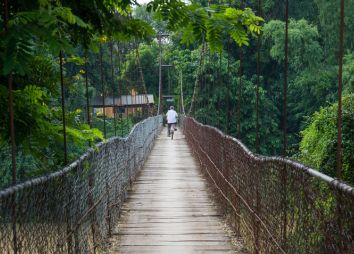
[110, 48]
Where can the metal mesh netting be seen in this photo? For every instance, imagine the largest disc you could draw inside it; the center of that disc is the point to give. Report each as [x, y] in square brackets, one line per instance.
[276, 205]
[73, 210]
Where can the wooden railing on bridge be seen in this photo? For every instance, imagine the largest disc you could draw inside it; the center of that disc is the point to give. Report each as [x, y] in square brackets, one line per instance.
[73, 210]
[277, 205]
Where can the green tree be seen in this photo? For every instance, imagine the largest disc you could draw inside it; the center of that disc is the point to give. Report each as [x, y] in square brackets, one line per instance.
[328, 17]
[304, 48]
[319, 140]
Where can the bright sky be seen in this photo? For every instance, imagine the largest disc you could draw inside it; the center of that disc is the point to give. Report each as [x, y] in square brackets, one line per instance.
[144, 1]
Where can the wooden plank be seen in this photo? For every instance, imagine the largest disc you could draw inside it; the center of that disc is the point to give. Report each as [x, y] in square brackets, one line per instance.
[168, 209]
[158, 249]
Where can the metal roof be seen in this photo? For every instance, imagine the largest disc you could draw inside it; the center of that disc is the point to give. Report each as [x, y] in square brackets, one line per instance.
[124, 100]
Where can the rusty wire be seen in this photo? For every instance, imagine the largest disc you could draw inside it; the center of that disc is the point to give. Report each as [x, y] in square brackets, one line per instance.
[258, 191]
[74, 210]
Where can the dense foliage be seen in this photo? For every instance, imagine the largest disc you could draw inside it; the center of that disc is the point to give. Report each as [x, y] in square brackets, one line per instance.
[319, 140]
[212, 46]
[312, 81]
[98, 43]
[33, 35]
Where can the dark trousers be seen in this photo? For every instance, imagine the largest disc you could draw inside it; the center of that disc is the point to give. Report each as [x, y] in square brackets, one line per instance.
[169, 128]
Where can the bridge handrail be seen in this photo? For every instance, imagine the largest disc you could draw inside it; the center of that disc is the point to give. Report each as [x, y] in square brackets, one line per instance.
[338, 184]
[74, 209]
[37, 180]
[277, 205]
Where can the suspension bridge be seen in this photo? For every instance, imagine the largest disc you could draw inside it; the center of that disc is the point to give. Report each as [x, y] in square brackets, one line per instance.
[203, 192]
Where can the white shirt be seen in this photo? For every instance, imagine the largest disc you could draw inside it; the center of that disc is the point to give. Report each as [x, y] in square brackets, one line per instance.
[171, 116]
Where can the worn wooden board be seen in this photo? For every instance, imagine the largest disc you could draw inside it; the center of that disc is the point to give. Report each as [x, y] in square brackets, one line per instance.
[168, 209]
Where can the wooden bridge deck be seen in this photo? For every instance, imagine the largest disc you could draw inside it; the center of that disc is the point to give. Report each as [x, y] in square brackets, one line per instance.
[168, 209]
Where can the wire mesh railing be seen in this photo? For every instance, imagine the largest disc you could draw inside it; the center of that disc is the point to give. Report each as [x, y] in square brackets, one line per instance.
[74, 210]
[276, 205]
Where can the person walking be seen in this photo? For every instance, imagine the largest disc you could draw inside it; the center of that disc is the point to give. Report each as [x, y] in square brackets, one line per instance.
[171, 119]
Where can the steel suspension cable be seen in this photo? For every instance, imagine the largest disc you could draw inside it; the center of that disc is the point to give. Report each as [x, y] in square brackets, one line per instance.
[11, 105]
[134, 82]
[340, 88]
[88, 117]
[284, 174]
[285, 86]
[182, 100]
[202, 88]
[219, 88]
[119, 73]
[257, 192]
[142, 80]
[197, 80]
[214, 85]
[240, 88]
[339, 125]
[208, 87]
[228, 86]
[13, 142]
[126, 82]
[113, 89]
[103, 92]
[258, 81]
[119, 89]
[160, 108]
[63, 107]
[239, 96]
